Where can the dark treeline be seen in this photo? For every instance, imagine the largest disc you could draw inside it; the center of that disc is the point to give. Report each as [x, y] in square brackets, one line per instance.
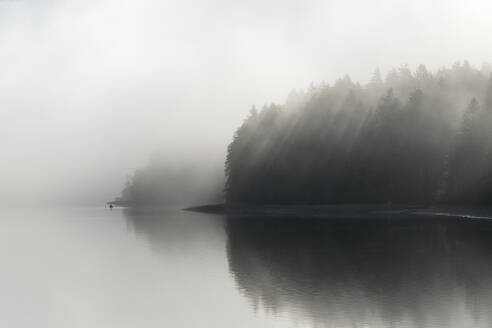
[414, 137]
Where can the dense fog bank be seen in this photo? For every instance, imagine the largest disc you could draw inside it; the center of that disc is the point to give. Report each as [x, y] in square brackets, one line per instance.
[413, 137]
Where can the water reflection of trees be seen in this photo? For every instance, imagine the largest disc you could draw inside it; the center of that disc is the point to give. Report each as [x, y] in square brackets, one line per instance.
[174, 230]
[385, 273]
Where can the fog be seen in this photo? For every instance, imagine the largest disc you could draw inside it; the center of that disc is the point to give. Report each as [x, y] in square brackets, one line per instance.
[89, 90]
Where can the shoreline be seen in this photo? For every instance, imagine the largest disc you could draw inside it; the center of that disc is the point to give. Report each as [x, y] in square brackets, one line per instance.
[345, 211]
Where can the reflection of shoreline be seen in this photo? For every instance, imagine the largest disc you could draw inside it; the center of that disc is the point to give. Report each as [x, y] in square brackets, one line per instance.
[338, 273]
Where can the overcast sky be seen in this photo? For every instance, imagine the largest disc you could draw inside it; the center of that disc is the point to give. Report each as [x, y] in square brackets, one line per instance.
[89, 89]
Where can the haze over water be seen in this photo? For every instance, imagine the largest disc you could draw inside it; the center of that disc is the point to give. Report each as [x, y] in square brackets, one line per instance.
[137, 101]
[91, 267]
[89, 89]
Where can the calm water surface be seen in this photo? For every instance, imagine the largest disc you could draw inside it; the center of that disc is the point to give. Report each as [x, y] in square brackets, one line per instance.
[169, 268]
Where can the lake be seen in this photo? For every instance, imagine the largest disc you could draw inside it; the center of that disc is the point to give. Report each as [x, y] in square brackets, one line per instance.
[92, 267]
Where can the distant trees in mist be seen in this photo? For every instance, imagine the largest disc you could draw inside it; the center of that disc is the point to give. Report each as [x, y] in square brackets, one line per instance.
[414, 137]
[162, 183]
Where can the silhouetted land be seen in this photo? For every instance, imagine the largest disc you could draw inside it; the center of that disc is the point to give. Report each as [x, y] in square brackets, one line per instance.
[345, 211]
[336, 211]
[416, 137]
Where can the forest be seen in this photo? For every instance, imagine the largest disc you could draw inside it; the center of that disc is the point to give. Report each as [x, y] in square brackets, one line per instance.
[412, 137]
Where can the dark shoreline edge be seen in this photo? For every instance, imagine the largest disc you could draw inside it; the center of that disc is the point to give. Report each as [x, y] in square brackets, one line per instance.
[356, 211]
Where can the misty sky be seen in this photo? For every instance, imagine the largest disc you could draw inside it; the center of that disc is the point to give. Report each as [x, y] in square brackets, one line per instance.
[89, 89]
